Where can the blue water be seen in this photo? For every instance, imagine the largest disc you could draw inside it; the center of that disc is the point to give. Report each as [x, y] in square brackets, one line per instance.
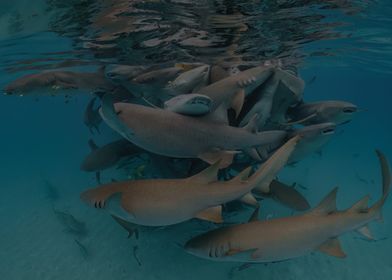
[43, 138]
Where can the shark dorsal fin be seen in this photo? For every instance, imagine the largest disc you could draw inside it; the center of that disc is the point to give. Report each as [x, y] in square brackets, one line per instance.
[327, 205]
[255, 215]
[365, 231]
[219, 115]
[250, 200]
[332, 247]
[238, 101]
[252, 126]
[92, 145]
[208, 175]
[242, 176]
[361, 206]
[212, 214]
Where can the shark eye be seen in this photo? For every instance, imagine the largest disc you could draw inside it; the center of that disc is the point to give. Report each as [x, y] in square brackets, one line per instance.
[349, 110]
[328, 131]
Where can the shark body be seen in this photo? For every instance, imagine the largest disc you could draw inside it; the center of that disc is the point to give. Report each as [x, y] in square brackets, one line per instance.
[182, 136]
[160, 202]
[285, 238]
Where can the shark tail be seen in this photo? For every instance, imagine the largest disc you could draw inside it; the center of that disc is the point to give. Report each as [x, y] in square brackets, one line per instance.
[386, 185]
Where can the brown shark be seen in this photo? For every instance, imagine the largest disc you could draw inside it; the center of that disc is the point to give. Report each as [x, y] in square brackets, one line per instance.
[101, 158]
[161, 202]
[170, 134]
[230, 92]
[56, 80]
[338, 112]
[290, 237]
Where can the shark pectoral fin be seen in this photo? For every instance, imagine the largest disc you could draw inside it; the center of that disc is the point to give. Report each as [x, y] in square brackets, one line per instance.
[365, 231]
[249, 199]
[252, 152]
[212, 214]
[262, 152]
[257, 254]
[131, 228]
[255, 215]
[327, 205]
[361, 206]
[332, 247]
[307, 118]
[238, 102]
[252, 125]
[288, 196]
[208, 175]
[116, 205]
[292, 82]
[92, 145]
[225, 158]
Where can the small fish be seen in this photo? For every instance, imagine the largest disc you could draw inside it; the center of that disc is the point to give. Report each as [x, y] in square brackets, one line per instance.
[312, 80]
[361, 179]
[71, 224]
[238, 269]
[135, 249]
[83, 249]
[51, 191]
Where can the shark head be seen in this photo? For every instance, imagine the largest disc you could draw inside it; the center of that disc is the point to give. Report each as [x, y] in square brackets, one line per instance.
[189, 104]
[339, 112]
[121, 73]
[189, 80]
[27, 84]
[313, 138]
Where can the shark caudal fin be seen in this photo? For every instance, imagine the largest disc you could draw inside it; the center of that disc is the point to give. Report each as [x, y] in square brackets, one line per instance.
[386, 185]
